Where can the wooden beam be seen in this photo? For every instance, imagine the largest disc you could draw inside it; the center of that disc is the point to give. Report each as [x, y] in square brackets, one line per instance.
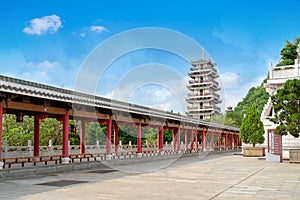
[34, 108]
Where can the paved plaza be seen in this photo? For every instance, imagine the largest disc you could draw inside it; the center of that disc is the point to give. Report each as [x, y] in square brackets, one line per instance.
[224, 176]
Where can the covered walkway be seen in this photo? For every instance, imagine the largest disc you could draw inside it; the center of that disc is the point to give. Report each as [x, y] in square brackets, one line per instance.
[20, 97]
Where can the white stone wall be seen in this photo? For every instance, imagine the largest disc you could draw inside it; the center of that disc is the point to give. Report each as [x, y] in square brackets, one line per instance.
[277, 77]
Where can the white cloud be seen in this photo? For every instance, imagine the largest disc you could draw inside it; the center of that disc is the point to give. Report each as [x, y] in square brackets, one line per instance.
[163, 106]
[233, 95]
[42, 65]
[255, 82]
[98, 29]
[38, 76]
[44, 25]
[229, 79]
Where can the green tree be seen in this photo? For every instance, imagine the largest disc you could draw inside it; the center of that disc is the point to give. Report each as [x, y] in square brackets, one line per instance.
[256, 95]
[226, 119]
[289, 53]
[286, 105]
[252, 129]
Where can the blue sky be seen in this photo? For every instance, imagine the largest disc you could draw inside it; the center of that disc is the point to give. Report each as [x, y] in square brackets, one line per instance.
[47, 41]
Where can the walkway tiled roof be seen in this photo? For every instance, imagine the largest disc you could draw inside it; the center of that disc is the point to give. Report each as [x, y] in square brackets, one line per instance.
[28, 88]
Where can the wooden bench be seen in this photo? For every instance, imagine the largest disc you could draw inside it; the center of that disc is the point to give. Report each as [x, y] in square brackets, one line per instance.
[80, 157]
[30, 159]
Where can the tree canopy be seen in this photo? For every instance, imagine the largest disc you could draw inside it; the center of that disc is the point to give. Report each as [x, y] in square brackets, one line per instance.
[257, 95]
[289, 53]
[286, 105]
[252, 128]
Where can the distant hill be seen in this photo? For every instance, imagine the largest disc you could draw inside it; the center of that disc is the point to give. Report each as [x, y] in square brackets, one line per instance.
[257, 95]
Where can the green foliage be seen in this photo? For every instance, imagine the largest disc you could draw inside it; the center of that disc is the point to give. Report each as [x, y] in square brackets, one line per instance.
[50, 129]
[17, 133]
[252, 129]
[227, 119]
[286, 105]
[289, 53]
[94, 132]
[256, 95]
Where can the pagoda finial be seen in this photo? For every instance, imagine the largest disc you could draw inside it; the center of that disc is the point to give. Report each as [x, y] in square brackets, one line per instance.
[203, 54]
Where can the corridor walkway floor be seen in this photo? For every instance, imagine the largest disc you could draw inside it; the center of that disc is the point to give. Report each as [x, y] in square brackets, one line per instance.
[225, 176]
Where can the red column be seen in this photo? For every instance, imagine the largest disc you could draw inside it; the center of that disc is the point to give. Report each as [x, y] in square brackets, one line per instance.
[178, 138]
[173, 139]
[36, 136]
[108, 137]
[219, 140]
[197, 145]
[116, 137]
[82, 137]
[1, 115]
[231, 141]
[203, 139]
[225, 141]
[192, 139]
[186, 139]
[65, 148]
[212, 142]
[160, 138]
[139, 137]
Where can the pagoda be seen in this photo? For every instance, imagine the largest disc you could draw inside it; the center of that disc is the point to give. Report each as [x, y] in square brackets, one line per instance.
[203, 97]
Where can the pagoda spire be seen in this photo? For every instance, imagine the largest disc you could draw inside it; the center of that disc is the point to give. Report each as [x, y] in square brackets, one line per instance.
[203, 54]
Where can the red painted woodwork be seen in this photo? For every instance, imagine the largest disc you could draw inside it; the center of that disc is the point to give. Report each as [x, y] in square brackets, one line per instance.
[203, 139]
[116, 137]
[1, 116]
[139, 137]
[178, 138]
[186, 139]
[108, 136]
[160, 138]
[36, 136]
[65, 148]
[82, 137]
[197, 141]
[225, 141]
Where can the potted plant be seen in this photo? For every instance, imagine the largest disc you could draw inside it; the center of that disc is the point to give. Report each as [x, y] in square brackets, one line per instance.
[252, 132]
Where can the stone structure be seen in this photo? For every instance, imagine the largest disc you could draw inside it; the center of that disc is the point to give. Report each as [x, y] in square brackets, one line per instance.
[277, 77]
[203, 87]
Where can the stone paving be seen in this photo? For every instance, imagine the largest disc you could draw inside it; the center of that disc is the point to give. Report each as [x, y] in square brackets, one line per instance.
[216, 177]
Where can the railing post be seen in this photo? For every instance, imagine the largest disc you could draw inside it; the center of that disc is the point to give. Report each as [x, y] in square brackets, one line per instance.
[50, 147]
[30, 149]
